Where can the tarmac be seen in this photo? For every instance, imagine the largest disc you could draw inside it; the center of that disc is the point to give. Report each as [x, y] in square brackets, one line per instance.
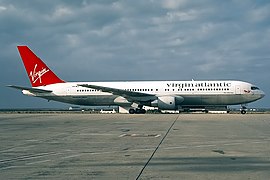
[119, 146]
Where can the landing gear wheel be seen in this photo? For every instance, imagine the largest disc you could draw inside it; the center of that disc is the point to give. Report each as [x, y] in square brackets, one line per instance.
[132, 111]
[140, 111]
[243, 111]
[143, 111]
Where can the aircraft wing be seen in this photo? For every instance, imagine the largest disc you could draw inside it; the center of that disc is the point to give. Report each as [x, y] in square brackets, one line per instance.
[32, 90]
[130, 95]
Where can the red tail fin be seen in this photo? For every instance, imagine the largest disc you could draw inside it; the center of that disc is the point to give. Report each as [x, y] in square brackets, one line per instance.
[38, 72]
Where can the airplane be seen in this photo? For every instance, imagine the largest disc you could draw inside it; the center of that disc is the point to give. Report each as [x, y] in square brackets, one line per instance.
[133, 96]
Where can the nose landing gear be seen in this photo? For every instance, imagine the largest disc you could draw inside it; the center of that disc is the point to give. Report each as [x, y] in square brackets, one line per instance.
[243, 109]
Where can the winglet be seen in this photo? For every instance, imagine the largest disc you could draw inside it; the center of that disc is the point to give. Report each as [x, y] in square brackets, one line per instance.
[38, 72]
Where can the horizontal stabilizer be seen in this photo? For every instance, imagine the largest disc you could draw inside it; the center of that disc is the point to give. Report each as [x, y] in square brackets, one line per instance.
[32, 90]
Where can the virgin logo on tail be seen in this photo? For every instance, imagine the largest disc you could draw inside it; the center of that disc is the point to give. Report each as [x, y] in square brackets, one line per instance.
[36, 75]
[38, 72]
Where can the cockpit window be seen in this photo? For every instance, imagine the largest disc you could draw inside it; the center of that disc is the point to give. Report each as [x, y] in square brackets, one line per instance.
[254, 88]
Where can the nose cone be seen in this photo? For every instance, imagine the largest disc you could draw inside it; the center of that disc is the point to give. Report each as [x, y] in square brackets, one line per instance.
[262, 94]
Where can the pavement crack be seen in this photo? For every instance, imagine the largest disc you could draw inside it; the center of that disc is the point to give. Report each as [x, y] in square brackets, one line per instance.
[152, 155]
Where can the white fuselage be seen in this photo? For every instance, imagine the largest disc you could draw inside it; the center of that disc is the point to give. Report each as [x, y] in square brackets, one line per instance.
[192, 93]
[165, 95]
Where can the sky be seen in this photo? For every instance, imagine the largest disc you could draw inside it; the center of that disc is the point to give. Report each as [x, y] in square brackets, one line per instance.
[103, 40]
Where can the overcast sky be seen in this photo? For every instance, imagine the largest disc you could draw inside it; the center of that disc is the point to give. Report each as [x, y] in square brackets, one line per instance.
[106, 40]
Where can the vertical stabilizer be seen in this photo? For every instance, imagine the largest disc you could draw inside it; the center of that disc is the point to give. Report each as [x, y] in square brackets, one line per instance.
[38, 72]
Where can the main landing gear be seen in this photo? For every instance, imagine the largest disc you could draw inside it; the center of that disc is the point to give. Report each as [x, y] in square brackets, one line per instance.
[138, 110]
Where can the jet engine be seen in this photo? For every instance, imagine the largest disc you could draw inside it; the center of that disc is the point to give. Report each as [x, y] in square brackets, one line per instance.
[167, 102]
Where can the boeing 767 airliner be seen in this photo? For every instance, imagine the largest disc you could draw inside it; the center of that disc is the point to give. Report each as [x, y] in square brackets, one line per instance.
[132, 96]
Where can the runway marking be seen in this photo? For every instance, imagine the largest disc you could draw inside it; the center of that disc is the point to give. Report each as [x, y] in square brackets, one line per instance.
[94, 134]
[140, 135]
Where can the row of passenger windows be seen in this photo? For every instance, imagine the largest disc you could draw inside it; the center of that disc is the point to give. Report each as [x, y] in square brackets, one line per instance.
[140, 90]
[167, 90]
[202, 89]
[214, 89]
[87, 90]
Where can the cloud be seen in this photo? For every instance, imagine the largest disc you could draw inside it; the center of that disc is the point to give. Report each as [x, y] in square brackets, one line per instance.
[260, 14]
[2, 8]
[137, 40]
[173, 4]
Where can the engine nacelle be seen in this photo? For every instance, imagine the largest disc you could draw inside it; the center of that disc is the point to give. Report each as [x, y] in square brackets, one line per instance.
[167, 102]
[122, 101]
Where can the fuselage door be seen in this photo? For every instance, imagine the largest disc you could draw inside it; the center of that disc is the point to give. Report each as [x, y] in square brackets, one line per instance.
[237, 89]
[68, 91]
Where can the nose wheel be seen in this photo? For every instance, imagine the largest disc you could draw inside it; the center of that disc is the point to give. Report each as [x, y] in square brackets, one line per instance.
[243, 110]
